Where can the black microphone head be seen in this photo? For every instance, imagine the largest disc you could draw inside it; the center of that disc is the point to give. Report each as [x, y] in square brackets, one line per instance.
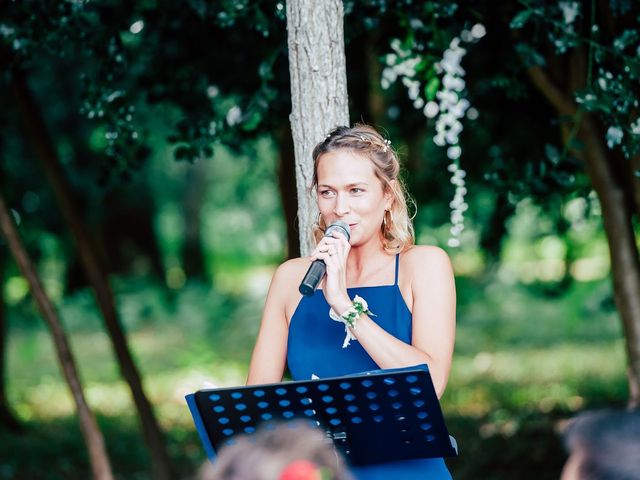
[339, 226]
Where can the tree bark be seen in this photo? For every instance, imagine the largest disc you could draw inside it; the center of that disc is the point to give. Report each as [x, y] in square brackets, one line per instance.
[617, 218]
[93, 436]
[45, 150]
[317, 67]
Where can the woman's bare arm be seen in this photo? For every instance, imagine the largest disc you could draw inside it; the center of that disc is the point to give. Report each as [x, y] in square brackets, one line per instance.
[270, 351]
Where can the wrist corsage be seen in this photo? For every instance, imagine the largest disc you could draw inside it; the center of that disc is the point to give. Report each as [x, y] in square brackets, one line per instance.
[350, 317]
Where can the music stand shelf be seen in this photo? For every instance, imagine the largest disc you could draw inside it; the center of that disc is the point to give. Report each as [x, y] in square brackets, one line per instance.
[373, 417]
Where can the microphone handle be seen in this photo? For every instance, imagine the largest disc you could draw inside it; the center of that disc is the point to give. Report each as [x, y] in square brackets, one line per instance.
[312, 278]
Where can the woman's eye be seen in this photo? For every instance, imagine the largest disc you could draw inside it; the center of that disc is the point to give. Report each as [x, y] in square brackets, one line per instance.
[326, 193]
[357, 190]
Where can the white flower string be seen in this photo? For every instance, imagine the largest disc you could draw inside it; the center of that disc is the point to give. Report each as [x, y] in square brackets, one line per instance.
[350, 318]
[452, 107]
[449, 109]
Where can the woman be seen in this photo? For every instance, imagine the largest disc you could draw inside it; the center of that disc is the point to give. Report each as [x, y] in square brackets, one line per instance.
[408, 290]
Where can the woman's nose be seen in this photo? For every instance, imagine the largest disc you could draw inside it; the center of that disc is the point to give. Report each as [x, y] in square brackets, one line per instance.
[342, 205]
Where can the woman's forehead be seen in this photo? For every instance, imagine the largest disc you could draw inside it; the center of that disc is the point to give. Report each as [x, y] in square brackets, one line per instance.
[345, 165]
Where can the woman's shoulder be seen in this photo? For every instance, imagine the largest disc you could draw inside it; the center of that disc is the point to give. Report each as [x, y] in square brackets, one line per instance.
[425, 252]
[285, 282]
[292, 269]
[423, 258]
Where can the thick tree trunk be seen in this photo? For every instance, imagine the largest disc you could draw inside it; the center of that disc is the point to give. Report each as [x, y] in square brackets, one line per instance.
[7, 418]
[317, 67]
[90, 430]
[46, 152]
[617, 218]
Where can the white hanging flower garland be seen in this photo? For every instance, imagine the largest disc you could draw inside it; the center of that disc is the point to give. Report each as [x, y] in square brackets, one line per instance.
[450, 108]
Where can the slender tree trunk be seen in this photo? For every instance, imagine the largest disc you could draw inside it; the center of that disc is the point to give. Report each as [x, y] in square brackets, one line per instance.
[376, 102]
[317, 67]
[90, 430]
[193, 260]
[617, 218]
[7, 418]
[634, 167]
[493, 235]
[124, 246]
[623, 249]
[39, 137]
[416, 139]
[286, 172]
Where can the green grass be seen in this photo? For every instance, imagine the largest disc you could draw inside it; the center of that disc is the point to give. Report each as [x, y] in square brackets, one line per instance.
[526, 360]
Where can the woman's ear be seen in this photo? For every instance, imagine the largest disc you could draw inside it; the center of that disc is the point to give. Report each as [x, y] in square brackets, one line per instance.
[388, 194]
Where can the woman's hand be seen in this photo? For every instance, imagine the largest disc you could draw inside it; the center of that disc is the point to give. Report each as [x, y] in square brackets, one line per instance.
[333, 250]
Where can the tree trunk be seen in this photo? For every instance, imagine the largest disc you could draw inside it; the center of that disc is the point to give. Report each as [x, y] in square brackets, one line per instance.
[317, 67]
[126, 247]
[633, 166]
[617, 218]
[93, 436]
[376, 102]
[286, 172]
[193, 261]
[39, 137]
[493, 234]
[7, 418]
[623, 249]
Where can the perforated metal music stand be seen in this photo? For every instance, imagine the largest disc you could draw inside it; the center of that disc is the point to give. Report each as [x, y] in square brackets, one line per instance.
[374, 417]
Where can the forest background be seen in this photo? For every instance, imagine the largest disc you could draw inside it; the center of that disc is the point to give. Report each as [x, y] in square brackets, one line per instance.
[147, 162]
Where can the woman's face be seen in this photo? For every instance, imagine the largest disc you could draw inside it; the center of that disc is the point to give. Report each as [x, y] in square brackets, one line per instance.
[348, 190]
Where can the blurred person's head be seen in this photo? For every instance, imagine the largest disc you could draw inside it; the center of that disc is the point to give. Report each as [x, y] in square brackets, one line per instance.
[286, 451]
[361, 154]
[603, 445]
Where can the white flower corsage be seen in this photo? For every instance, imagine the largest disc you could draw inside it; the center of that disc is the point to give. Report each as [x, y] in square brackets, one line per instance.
[350, 317]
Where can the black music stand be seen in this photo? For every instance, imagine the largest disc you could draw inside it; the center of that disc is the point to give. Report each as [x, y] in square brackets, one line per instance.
[374, 417]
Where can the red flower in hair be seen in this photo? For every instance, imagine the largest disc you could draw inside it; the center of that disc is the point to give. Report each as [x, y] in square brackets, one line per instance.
[301, 470]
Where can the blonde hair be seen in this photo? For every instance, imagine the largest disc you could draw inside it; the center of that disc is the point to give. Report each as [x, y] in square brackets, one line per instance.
[396, 229]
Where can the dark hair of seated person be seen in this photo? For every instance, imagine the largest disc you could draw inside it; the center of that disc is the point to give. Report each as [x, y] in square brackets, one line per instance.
[603, 445]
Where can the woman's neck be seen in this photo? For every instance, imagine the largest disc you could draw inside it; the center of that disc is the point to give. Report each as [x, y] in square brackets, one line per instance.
[365, 259]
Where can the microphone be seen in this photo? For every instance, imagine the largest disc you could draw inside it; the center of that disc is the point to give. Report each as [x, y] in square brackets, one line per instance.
[318, 268]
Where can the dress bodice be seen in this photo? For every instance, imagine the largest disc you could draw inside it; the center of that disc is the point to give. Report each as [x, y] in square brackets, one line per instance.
[315, 341]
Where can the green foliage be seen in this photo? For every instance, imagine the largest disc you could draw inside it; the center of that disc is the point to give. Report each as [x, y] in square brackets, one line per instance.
[130, 56]
[555, 29]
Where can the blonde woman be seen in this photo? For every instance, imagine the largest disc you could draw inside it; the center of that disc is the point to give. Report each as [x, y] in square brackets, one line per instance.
[384, 301]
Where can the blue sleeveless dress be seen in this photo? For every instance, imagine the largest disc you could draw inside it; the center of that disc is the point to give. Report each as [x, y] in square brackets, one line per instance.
[315, 348]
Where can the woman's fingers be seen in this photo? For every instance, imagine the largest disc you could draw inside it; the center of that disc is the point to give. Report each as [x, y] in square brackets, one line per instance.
[332, 247]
